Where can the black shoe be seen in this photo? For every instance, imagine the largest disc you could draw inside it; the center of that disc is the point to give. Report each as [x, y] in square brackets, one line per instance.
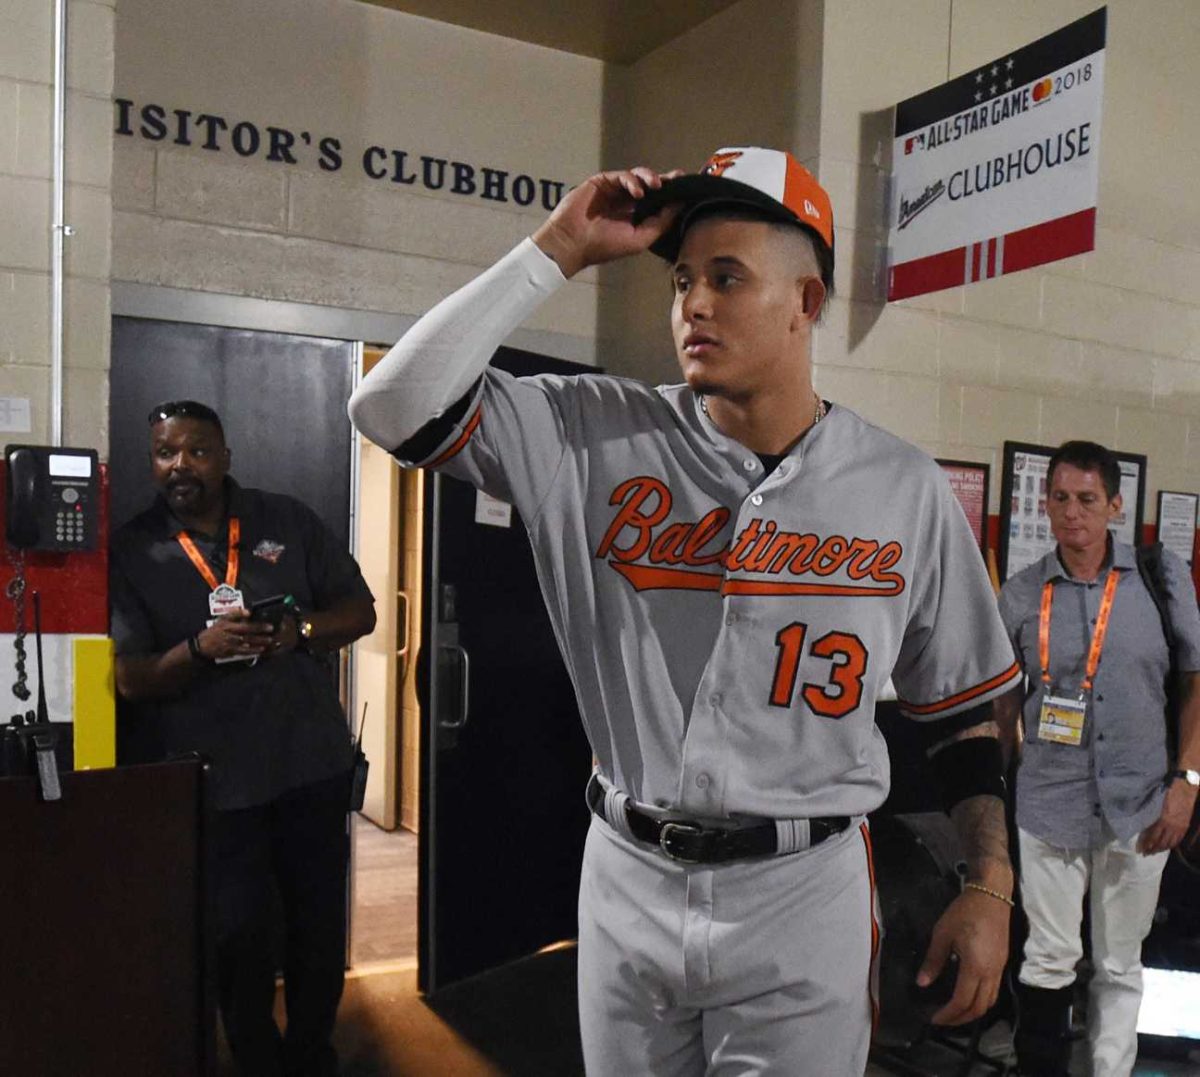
[1043, 1034]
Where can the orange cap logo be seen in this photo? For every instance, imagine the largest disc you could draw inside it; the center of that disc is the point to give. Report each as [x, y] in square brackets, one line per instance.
[1042, 90]
[718, 163]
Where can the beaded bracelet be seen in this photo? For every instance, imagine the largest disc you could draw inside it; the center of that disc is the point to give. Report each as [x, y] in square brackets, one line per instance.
[990, 893]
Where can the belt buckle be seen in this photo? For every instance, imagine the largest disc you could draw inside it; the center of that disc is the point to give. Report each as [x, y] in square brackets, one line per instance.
[668, 831]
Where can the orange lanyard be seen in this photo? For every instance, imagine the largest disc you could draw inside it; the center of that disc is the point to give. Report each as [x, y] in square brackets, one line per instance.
[202, 566]
[1093, 658]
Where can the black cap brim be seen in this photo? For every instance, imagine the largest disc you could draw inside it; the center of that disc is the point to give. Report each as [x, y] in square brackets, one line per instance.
[697, 190]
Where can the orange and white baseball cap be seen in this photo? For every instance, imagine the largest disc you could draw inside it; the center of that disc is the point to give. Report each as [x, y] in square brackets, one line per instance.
[772, 182]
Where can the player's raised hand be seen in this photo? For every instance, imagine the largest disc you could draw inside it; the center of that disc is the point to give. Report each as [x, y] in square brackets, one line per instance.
[594, 222]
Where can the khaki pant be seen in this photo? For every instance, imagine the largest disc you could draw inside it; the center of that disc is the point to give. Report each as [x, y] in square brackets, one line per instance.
[1123, 886]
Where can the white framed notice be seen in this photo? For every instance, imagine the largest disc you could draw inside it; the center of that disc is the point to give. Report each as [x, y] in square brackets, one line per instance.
[998, 170]
[1177, 522]
[492, 511]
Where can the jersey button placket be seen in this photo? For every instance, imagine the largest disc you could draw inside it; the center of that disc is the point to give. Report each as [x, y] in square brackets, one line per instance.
[700, 788]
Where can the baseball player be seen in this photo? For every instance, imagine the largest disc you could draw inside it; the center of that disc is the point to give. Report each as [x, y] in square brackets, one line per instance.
[733, 567]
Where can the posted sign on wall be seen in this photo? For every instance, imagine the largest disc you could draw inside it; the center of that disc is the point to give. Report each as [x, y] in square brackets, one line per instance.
[997, 170]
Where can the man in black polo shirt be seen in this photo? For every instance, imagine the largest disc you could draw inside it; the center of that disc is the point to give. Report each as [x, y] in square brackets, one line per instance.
[260, 701]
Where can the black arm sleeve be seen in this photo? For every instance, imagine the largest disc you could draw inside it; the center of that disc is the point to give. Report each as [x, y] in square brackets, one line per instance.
[969, 768]
[964, 768]
[931, 733]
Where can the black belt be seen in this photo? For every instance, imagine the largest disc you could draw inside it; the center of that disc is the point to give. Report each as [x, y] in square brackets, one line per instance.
[694, 843]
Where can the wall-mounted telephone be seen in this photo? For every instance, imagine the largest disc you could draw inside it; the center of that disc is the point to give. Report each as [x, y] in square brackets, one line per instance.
[52, 498]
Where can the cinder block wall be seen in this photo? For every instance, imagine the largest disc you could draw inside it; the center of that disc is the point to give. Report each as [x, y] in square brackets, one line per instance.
[1104, 345]
[26, 101]
[750, 75]
[215, 220]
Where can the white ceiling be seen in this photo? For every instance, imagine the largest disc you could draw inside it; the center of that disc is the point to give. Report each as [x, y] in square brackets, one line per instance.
[618, 31]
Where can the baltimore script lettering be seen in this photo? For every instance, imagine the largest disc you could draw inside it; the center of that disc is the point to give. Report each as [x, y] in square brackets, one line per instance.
[651, 557]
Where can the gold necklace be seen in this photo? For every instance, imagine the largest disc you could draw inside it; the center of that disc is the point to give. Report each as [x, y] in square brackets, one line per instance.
[817, 416]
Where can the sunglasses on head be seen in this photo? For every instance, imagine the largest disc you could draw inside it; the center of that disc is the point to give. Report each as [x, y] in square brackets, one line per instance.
[188, 409]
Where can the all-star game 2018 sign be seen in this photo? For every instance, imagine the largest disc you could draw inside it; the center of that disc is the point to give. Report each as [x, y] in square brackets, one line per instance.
[997, 170]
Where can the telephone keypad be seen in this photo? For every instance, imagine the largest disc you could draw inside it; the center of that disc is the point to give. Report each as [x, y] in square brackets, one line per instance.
[68, 526]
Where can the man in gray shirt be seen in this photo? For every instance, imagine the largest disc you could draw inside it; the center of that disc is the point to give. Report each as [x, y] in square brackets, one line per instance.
[1103, 792]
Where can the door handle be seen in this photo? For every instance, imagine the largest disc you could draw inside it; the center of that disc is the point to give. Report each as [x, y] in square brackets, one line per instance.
[464, 693]
[402, 625]
[466, 686]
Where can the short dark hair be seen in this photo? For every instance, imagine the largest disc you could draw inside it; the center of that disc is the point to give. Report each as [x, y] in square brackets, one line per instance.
[737, 211]
[1088, 456]
[186, 409]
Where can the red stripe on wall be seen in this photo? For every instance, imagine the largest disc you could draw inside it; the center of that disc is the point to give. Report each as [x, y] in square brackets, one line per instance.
[1049, 241]
[928, 274]
[1041, 243]
[993, 533]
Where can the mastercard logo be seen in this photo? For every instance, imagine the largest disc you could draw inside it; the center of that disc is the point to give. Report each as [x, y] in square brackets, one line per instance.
[1042, 90]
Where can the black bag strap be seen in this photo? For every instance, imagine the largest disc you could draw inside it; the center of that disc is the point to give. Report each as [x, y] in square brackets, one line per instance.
[1150, 568]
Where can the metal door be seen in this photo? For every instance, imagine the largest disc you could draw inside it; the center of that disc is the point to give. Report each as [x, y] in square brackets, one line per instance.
[504, 757]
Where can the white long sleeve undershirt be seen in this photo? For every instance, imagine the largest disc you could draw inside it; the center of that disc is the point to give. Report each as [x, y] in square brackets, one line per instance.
[442, 356]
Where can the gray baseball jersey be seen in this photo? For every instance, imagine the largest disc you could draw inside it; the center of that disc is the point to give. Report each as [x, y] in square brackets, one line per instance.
[728, 633]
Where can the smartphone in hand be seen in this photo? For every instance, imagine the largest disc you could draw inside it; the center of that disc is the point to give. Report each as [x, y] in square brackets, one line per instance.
[272, 610]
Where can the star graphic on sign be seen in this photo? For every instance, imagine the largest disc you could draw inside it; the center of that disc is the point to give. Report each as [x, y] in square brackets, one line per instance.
[978, 76]
[1008, 64]
[978, 95]
[995, 70]
[993, 90]
[1008, 84]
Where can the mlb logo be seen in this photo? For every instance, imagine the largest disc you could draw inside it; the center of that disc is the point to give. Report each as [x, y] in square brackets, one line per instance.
[909, 143]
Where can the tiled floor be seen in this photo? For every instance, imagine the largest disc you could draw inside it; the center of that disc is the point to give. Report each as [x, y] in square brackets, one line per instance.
[384, 921]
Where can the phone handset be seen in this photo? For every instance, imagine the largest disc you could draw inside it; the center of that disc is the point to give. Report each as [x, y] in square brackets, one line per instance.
[21, 512]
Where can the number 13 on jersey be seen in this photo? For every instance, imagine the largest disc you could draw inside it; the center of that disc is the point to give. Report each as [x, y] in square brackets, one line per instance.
[843, 690]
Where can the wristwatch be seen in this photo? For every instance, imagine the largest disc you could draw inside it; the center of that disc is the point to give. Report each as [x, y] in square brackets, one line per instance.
[304, 630]
[1192, 777]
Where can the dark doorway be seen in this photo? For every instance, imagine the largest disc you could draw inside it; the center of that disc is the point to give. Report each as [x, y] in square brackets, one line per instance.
[504, 756]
